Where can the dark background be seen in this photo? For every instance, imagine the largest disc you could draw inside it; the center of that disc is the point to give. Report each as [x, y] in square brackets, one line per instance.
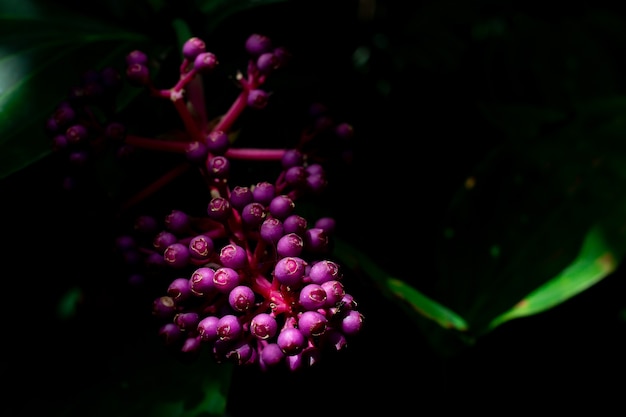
[415, 105]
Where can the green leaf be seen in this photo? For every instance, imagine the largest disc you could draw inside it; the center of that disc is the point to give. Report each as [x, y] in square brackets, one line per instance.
[42, 55]
[596, 260]
[398, 290]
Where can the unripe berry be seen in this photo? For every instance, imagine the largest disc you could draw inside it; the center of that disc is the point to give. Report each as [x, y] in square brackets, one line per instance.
[225, 279]
[177, 255]
[138, 74]
[312, 297]
[295, 223]
[253, 214]
[205, 62]
[179, 290]
[281, 206]
[201, 281]
[186, 321]
[219, 208]
[289, 245]
[207, 328]
[291, 341]
[163, 307]
[257, 44]
[334, 292]
[218, 167]
[271, 355]
[312, 324]
[264, 192]
[217, 142]
[267, 62]
[324, 271]
[233, 256]
[241, 298]
[229, 328]
[290, 270]
[263, 326]
[201, 247]
[76, 134]
[177, 222]
[352, 322]
[258, 98]
[163, 240]
[193, 47]
[240, 196]
[136, 57]
[170, 333]
[271, 230]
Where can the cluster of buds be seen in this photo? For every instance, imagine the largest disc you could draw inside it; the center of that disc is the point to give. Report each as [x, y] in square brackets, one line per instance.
[250, 277]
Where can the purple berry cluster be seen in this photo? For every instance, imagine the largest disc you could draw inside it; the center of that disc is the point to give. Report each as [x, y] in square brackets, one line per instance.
[248, 277]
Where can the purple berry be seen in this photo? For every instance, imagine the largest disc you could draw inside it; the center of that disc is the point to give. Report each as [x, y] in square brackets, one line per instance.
[229, 328]
[225, 279]
[186, 321]
[163, 240]
[289, 245]
[312, 297]
[201, 247]
[271, 355]
[257, 44]
[352, 322]
[241, 298]
[201, 281]
[164, 307]
[207, 328]
[205, 62]
[263, 326]
[177, 255]
[218, 167]
[290, 270]
[219, 209]
[233, 256]
[264, 192]
[136, 57]
[291, 341]
[326, 223]
[193, 47]
[217, 142]
[138, 74]
[312, 324]
[334, 292]
[295, 224]
[177, 222]
[258, 98]
[179, 290]
[323, 271]
[316, 240]
[267, 62]
[170, 333]
[271, 230]
[253, 214]
[281, 206]
[240, 196]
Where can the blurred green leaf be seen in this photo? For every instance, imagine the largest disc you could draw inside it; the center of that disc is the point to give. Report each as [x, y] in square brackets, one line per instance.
[42, 54]
[397, 290]
[596, 260]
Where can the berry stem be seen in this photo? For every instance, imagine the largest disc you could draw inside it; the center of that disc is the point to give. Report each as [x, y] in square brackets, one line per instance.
[238, 106]
[255, 154]
[190, 124]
